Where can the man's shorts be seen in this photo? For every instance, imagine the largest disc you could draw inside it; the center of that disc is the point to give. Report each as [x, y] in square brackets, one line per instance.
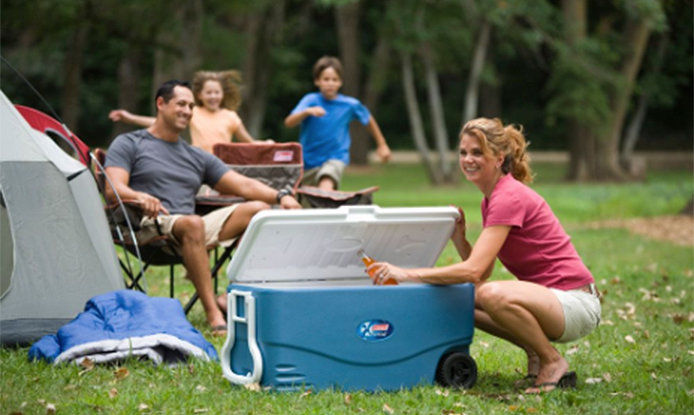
[581, 313]
[331, 168]
[213, 225]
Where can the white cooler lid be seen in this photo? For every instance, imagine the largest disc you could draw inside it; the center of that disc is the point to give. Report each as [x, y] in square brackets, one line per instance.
[322, 244]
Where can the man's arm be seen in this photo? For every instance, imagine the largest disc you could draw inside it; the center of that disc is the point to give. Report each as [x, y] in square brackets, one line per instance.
[119, 177]
[251, 189]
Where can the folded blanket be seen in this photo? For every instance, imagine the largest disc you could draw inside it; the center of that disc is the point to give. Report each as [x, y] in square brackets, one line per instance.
[125, 323]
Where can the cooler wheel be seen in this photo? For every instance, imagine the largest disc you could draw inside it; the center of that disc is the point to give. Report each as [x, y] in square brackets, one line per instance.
[457, 370]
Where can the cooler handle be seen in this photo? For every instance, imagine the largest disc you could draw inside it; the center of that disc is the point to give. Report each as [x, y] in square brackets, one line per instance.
[249, 320]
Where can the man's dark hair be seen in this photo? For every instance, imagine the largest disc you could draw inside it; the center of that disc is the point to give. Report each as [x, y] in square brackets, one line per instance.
[166, 89]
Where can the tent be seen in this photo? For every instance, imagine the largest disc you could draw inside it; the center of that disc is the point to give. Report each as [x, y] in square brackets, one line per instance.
[56, 249]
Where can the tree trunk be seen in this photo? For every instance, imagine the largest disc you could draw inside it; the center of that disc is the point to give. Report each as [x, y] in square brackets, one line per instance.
[635, 41]
[347, 22]
[373, 90]
[633, 130]
[128, 76]
[414, 115]
[263, 33]
[167, 59]
[179, 56]
[689, 208]
[191, 36]
[580, 139]
[490, 103]
[254, 23]
[272, 38]
[72, 86]
[473, 83]
[581, 146]
[437, 117]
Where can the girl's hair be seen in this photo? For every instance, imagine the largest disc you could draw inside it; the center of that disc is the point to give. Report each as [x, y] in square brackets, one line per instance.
[324, 63]
[497, 139]
[230, 82]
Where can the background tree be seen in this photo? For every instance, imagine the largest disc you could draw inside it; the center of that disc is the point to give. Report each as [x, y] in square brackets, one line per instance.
[572, 82]
[594, 77]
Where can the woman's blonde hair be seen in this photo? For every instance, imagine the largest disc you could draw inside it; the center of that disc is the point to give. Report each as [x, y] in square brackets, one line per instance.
[497, 139]
[230, 82]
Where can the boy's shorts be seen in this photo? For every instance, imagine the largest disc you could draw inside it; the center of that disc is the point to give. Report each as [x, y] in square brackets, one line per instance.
[332, 168]
[581, 313]
[213, 225]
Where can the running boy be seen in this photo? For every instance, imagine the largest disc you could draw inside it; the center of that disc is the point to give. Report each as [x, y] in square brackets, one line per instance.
[325, 118]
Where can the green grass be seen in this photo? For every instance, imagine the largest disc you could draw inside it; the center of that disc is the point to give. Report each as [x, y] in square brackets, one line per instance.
[642, 355]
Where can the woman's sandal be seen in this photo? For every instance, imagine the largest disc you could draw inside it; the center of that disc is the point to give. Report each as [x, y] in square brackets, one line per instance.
[568, 380]
[527, 381]
[219, 330]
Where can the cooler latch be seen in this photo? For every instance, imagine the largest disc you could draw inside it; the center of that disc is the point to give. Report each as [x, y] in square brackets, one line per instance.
[248, 318]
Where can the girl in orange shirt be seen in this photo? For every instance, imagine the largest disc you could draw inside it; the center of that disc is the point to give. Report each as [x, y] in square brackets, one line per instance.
[214, 120]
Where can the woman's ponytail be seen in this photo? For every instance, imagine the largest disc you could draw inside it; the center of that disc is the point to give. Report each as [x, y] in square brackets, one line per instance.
[518, 155]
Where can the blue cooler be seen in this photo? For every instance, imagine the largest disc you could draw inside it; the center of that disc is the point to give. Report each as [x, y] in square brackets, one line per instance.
[303, 313]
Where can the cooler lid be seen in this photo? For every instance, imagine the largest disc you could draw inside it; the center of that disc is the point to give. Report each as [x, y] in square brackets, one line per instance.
[322, 244]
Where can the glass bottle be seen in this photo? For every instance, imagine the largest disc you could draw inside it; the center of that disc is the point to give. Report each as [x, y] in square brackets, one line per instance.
[367, 260]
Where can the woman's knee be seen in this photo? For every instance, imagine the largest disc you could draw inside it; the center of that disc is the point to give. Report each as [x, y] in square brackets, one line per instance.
[492, 296]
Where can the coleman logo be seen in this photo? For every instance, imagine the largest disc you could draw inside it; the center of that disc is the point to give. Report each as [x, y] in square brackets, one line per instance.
[373, 330]
[283, 155]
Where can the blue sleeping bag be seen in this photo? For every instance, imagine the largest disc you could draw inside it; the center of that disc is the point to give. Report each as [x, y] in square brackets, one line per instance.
[125, 323]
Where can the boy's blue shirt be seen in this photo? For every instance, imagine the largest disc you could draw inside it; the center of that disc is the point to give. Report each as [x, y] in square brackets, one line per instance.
[327, 137]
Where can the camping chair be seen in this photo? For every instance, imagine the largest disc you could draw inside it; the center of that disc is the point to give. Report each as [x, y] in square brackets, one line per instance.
[124, 220]
[314, 197]
[278, 165]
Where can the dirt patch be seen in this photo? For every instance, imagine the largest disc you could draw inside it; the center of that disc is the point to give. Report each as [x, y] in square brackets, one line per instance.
[676, 229]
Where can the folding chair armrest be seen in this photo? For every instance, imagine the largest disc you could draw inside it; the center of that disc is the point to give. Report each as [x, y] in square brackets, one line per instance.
[116, 213]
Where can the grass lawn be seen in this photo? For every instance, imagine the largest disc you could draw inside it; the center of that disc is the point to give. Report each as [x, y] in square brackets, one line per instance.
[639, 360]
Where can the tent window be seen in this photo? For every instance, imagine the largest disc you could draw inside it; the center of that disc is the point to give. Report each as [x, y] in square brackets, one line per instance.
[63, 142]
[6, 248]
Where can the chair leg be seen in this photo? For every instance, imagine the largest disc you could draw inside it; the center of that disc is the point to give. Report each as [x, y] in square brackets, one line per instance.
[214, 275]
[171, 280]
[134, 279]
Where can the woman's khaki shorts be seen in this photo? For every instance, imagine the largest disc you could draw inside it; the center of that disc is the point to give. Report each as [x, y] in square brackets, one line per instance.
[581, 313]
[213, 225]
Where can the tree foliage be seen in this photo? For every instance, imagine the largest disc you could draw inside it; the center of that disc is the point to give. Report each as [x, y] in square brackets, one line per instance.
[87, 57]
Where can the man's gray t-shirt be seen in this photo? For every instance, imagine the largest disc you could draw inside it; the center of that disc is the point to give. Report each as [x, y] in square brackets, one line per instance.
[171, 172]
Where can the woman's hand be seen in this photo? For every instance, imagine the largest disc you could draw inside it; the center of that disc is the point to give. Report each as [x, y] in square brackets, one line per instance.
[382, 271]
[458, 236]
[460, 226]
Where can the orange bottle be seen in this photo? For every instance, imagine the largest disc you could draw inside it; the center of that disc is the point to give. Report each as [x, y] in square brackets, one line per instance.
[367, 260]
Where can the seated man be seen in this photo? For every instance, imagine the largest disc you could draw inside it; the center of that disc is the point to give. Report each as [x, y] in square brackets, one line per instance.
[162, 172]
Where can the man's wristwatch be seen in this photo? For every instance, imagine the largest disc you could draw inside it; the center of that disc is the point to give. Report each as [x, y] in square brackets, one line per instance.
[282, 193]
